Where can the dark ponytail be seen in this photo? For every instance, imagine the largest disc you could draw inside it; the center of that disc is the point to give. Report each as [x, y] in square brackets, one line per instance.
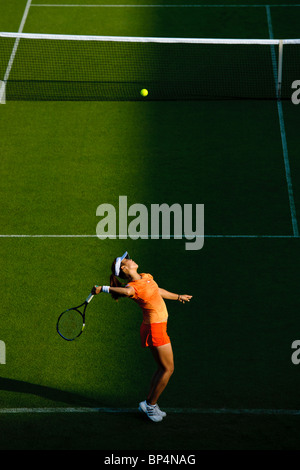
[115, 282]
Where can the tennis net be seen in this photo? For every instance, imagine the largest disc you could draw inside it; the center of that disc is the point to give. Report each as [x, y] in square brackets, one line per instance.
[64, 67]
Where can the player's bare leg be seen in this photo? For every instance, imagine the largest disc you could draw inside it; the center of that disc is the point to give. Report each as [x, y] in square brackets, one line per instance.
[163, 355]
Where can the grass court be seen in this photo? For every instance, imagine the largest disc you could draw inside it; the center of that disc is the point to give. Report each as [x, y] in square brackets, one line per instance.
[232, 342]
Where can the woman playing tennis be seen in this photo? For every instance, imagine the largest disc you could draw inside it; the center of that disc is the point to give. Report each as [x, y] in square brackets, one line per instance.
[145, 292]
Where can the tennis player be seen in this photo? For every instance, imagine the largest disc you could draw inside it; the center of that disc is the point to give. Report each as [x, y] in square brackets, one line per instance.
[150, 297]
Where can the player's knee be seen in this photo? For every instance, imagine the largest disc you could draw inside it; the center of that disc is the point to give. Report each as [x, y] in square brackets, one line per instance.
[170, 369]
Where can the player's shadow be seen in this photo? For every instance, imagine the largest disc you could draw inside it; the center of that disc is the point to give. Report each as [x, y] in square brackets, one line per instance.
[49, 393]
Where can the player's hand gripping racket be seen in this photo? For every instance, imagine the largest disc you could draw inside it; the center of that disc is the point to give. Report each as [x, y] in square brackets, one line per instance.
[71, 322]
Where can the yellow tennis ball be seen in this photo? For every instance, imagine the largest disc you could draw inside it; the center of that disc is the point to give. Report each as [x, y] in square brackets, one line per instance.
[144, 92]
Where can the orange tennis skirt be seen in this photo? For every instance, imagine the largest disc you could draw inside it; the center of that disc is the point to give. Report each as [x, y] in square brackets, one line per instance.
[154, 334]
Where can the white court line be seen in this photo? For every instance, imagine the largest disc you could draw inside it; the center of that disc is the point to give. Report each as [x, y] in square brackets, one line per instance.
[161, 6]
[283, 133]
[231, 411]
[14, 51]
[146, 237]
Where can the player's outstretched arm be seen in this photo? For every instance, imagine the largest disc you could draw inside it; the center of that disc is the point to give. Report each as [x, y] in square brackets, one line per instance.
[171, 296]
[126, 291]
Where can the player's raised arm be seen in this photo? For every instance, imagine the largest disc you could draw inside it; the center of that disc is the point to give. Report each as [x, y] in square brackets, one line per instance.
[171, 296]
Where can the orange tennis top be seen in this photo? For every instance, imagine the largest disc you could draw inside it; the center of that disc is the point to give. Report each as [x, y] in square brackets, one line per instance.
[147, 296]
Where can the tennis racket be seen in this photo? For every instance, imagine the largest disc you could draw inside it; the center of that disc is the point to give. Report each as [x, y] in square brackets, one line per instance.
[71, 322]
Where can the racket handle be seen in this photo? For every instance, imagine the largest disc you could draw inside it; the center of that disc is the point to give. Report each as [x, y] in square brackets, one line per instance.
[89, 298]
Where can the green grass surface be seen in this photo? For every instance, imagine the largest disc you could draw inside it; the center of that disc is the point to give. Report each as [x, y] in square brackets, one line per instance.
[233, 331]
[232, 343]
[53, 184]
[113, 433]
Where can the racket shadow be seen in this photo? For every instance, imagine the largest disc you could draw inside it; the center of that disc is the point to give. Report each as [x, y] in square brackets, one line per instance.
[12, 385]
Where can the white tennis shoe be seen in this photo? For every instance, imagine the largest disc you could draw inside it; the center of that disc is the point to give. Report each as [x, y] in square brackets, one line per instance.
[152, 411]
[162, 413]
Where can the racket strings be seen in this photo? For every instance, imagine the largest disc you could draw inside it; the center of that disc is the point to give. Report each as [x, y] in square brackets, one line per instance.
[70, 324]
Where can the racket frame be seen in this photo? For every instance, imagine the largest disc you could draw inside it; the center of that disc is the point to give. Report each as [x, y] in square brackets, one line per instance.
[85, 304]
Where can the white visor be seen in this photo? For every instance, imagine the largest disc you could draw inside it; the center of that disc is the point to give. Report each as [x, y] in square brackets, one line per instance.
[118, 263]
